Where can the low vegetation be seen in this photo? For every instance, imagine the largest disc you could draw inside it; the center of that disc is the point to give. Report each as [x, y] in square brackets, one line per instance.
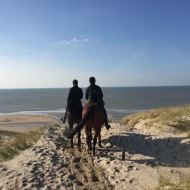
[110, 119]
[183, 183]
[178, 117]
[18, 142]
[5, 136]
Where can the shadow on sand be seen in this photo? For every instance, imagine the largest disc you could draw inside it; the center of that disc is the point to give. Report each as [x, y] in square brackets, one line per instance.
[173, 152]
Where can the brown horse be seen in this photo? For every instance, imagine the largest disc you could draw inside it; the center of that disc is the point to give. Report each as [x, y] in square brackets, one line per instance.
[93, 116]
[95, 121]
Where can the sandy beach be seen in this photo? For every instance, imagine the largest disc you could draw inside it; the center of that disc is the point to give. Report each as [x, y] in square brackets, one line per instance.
[149, 154]
[24, 123]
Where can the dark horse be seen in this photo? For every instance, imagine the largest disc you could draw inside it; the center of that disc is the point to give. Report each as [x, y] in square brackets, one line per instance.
[74, 116]
[93, 117]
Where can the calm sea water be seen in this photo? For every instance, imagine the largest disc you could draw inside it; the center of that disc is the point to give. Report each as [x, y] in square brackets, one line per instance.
[120, 101]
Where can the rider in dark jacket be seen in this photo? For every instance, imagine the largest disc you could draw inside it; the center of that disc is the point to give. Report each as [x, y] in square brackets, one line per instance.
[94, 95]
[75, 94]
[74, 104]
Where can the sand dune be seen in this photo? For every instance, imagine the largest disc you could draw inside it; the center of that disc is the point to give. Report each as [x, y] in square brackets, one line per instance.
[149, 153]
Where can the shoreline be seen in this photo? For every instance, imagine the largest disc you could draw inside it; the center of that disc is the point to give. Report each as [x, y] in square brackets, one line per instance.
[24, 122]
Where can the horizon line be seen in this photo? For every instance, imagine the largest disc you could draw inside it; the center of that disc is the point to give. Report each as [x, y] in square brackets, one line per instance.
[101, 87]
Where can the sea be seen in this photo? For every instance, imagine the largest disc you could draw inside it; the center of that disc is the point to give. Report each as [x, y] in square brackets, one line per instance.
[119, 101]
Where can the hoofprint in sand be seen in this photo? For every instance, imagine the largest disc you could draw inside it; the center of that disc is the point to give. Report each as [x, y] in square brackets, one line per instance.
[49, 164]
[149, 153]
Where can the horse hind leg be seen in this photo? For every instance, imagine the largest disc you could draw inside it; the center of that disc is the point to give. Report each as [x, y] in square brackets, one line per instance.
[99, 140]
[89, 142]
[70, 122]
[79, 140]
[94, 142]
[71, 143]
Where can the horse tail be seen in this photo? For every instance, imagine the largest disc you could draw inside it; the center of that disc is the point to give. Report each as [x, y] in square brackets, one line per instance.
[80, 126]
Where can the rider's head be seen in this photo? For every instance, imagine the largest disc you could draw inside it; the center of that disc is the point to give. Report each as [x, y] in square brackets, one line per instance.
[75, 82]
[92, 80]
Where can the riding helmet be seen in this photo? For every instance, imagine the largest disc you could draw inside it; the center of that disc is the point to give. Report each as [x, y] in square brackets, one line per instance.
[75, 81]
[92, 80]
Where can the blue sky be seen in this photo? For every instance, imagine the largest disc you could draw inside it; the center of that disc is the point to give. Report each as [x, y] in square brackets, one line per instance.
[48, 43]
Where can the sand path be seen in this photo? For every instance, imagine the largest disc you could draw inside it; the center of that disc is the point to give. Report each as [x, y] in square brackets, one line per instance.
[50, 165]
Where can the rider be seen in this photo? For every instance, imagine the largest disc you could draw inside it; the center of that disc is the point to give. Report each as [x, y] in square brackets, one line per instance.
[94, 95]
[74, 104]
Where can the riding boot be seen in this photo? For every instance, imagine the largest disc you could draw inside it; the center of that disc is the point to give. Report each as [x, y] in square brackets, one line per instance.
[106, 120]
[81, 123]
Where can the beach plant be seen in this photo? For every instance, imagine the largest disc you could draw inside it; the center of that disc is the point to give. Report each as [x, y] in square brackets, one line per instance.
[5, 136]
[176, 116]
[110, 119]
[20, 142]
[165, 182]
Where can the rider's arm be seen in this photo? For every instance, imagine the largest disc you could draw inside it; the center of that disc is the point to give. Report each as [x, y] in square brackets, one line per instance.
[100, 93]
[69, 96]
[87, 93]
[81, 96]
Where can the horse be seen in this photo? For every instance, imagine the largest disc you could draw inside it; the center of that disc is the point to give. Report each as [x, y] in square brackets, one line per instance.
[74, 116]
[95, 121]
[93, 117]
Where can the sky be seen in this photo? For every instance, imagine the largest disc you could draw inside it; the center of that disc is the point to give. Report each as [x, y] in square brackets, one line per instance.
[48, 43]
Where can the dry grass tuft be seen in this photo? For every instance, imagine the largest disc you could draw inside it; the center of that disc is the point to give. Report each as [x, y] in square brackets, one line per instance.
[167, 183]
[178, 117]
[110, 119]
[5, 136]
[20, 142]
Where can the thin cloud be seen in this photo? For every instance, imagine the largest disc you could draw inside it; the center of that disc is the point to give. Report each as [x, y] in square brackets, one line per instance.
[74, 41]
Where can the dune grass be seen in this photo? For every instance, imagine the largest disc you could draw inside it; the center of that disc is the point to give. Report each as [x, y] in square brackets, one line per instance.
[20, 142]
[5, 136]
[178, 117]
[8, 133]
[183, 183]
[110, 118]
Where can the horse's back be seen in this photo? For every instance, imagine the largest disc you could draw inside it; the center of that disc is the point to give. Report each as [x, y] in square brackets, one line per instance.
[85, 108]
[97, 117]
